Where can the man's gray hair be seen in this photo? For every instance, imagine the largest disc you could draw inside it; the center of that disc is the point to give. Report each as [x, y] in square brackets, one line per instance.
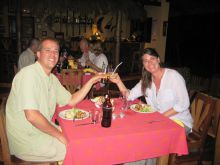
[33, 41]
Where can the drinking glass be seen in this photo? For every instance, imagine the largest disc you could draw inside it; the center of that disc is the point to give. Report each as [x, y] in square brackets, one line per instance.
[124, 103]
[110, 69]
[95, 116]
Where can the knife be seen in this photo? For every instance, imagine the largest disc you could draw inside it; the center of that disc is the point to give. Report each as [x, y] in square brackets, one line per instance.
[84, 124]
[153, 121]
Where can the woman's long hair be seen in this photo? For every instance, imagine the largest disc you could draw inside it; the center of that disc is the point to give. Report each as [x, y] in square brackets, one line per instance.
[146, 76]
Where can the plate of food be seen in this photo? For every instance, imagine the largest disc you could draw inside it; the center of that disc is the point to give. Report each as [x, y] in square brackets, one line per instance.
[75, 113]
[141, 108]
[98, 100]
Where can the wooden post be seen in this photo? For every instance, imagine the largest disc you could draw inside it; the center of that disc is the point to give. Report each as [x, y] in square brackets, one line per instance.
[118, 38]
[73, 23]
[18, 24]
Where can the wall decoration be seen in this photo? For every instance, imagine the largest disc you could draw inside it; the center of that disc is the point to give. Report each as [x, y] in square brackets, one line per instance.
[99, 24]
[154, 31]
[165, 24]
[44, 33]
[59, 35]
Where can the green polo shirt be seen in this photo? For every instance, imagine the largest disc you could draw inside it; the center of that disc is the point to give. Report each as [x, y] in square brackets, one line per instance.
[32, 88]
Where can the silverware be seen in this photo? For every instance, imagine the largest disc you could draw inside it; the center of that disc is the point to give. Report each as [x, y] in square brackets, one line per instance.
[84, 124]
[153, 121]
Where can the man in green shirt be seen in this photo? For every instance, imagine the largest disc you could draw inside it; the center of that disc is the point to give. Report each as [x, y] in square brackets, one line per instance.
[31, 104]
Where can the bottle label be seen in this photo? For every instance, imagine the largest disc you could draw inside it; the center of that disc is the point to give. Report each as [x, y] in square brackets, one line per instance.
[107, 116]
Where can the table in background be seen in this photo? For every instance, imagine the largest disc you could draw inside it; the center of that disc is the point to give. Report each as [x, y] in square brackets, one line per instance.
[76, 79]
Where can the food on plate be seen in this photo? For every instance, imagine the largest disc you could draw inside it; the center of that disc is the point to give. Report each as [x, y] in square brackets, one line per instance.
[142, 108]
[75, 113]
[89, 70]
[99, 100]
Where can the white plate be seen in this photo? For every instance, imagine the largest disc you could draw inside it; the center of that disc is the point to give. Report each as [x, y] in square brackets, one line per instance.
[70, 113]
[98, 99]
[144, 108]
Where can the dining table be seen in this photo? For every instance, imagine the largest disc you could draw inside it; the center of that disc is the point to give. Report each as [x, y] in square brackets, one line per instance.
[132, 136]
[75, 78]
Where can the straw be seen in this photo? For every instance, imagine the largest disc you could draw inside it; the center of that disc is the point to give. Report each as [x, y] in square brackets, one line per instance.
[116, 67]
[105, 70]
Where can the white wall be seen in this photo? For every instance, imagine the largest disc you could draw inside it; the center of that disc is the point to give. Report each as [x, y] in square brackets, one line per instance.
[159, 15]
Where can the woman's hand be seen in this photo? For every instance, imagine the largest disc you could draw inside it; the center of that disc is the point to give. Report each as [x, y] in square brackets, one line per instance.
[115, 78]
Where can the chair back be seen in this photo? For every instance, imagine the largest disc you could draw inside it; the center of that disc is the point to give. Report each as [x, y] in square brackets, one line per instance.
[15, 68]
[217, 144]
[5, 89]
[213, 129]
[201, 110]
[3, 137]
[71, 79]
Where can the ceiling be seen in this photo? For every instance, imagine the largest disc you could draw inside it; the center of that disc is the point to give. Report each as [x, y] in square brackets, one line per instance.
[192, 7]
[177, 7]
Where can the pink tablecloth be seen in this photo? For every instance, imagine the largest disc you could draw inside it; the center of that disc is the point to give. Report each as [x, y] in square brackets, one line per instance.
[128, 139]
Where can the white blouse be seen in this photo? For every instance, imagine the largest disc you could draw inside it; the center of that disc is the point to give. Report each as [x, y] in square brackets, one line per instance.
[82, 60]
[99, 60]
[171, 94]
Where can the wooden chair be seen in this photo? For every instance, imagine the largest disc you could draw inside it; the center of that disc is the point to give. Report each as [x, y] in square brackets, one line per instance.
[4, 89]
[15, 69]
[192, 94]
[217, 145]
[5, 85]
[71, 79]
[211, 152]
[201, 111]
[5, 156]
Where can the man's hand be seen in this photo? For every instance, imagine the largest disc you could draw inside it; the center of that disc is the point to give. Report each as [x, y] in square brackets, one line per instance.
[62, 139]
[41, 123]
[97, 77]
[115, 79]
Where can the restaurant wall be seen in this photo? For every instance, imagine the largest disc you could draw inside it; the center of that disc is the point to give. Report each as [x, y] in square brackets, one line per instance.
[159, 16]
[4, 22]
[106, 26]
[45, 26]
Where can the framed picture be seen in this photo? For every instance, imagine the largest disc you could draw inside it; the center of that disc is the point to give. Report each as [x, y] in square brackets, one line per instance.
[59, 35]
[44, 33]
[165, 24]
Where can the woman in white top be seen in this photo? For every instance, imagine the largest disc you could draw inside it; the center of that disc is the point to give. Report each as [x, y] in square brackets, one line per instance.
[100, 59]
[164, 89]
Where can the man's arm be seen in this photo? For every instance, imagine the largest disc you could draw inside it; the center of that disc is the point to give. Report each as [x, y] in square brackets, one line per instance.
[80, 94]
[41, 123]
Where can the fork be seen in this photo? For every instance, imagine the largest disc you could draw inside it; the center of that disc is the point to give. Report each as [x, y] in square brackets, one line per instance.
[153, 121]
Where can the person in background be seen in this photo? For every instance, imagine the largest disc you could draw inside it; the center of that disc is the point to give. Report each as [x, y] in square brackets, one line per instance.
[164, 90]
[75, 49]
[31, 105]
[28, 56]
[87, 54]
[100, 59]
